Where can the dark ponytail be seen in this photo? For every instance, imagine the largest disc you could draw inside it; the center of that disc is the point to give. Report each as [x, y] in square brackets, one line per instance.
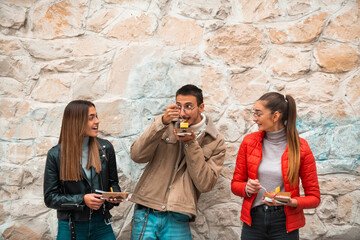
[286, 106]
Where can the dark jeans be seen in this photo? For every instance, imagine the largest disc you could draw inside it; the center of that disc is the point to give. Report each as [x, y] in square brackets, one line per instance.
[95, 229]
[268, 223]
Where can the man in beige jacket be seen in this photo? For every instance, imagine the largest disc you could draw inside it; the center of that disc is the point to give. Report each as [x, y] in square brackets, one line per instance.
[179, 168]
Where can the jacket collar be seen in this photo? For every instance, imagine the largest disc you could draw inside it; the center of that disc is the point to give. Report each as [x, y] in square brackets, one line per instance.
[260, 136]
[210, 128]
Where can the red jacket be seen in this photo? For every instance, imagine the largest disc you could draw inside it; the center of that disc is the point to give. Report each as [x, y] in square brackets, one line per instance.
[247, 163]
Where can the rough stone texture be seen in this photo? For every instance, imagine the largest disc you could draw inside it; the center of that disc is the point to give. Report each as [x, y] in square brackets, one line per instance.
[338, 232]
[12, 16]
[247, 86]
[19, 232]
[56, 85]
[101, 19]
[339, 184]
[58, 19]
[178, 32]
[336, 58]
[294, 8]
[205, 10]
[130, 56]
[254, 11]
[138, 28]
[136, 4]
[353, 93]
[346, 26]
[19, 152]
[326, 208]
[239, 45]
[313, 228]
[133, 67]
[318, 87]
[20, 3]
[289, 61]
[306, 31]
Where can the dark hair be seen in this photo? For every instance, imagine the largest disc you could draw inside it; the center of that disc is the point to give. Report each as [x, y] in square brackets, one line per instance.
[193, 90]
[71, 137]
[286, 106]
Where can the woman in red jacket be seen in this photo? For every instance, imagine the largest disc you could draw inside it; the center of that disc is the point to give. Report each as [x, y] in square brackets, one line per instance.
[274, 156]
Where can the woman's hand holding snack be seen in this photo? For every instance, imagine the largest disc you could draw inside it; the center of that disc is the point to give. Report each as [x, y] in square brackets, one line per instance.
[293, 203]
[93, 201]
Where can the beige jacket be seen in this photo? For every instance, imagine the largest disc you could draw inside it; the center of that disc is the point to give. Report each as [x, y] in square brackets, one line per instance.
[170, 183]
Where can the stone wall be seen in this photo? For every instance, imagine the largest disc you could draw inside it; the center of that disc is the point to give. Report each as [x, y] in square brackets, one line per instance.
[130, 56]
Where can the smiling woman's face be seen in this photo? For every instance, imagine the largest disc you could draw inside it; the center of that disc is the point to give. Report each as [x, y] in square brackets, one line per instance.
[92, 125]
[263, 117]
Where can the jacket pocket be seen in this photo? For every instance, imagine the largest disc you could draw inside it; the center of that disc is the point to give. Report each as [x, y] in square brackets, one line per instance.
[179, 217]
[139, 216]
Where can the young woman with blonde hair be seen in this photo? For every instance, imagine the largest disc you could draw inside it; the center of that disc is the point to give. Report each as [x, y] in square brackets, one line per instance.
[274, 156]
[80, 164]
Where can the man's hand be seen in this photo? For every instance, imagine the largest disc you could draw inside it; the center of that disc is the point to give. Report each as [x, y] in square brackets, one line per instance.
[186, 137]
[93, 201]
[171, 112]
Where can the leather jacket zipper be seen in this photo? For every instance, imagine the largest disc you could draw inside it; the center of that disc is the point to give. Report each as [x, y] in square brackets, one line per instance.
[91, 190]
[70, 204]
[102, 188]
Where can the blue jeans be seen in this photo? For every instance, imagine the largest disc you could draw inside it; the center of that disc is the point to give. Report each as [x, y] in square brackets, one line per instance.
[87, 230]
[151, 224]
[268, 223]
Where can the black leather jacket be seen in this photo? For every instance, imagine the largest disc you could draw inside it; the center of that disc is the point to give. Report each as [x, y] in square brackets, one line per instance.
[67, 196]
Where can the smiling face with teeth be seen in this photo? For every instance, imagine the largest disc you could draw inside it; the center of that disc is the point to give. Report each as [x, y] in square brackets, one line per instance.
[91, 128]
[265, 119]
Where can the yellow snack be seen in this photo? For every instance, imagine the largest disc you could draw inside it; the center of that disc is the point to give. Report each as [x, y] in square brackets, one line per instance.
[277, 190]
[184, 125]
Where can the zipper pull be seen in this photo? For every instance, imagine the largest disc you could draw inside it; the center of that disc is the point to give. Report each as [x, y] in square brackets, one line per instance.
[91, 212]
